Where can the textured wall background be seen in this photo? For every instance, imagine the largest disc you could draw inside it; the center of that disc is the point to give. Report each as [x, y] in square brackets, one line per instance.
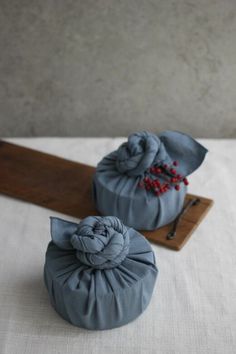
[110, 67]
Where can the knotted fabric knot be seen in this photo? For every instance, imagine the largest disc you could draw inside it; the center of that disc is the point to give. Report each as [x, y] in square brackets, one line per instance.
[140, 152]
[99, 242]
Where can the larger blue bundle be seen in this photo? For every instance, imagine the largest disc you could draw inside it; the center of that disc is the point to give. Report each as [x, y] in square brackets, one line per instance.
[99, 273]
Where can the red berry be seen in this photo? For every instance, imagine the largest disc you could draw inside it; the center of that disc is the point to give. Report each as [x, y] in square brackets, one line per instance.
[186, 182]
[175, 163]
[157, 183]
[153, 183]
[177, 187]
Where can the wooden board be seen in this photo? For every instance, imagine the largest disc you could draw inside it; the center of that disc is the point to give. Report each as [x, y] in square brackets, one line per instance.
[65, 186]
[186, 227]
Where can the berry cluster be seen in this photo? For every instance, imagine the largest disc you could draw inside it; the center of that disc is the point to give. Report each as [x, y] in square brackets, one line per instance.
[169, 177]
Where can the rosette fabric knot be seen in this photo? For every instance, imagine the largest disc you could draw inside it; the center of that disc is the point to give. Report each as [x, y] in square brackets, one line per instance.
[99, 273]
[141, 151]
[119, 175]
[99, 242]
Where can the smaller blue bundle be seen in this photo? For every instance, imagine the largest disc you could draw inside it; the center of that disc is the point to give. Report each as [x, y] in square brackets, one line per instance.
[144, 181]
[99, 273]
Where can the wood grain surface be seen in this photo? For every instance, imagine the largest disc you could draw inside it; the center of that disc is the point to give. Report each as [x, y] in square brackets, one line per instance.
[65, 186]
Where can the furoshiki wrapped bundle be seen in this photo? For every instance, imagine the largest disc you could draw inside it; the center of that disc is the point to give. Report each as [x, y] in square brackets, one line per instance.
[144, 182]
[99, 273]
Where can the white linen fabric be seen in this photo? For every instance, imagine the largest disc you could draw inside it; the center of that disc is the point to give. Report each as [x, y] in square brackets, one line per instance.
[193, 308]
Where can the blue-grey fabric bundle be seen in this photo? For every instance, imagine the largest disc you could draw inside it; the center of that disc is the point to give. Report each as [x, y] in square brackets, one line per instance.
[99, 273]
[117, 178]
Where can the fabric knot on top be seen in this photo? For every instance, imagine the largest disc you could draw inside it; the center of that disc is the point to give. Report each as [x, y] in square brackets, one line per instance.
[140, 152]
[100, 242]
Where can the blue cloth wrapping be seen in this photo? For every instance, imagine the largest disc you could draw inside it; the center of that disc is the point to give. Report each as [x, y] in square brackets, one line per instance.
[99, 273]
[116, 181]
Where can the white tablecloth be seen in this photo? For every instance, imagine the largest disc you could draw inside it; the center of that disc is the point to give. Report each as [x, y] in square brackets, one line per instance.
[193, 308]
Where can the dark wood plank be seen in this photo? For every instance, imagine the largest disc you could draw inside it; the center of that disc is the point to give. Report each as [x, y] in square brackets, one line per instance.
[65, 186]
[46, 180]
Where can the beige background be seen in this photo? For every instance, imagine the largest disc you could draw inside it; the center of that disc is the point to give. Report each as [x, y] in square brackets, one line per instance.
[109, 67]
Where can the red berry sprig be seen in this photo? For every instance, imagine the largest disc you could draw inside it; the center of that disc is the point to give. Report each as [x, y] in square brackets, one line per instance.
[168, 173]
